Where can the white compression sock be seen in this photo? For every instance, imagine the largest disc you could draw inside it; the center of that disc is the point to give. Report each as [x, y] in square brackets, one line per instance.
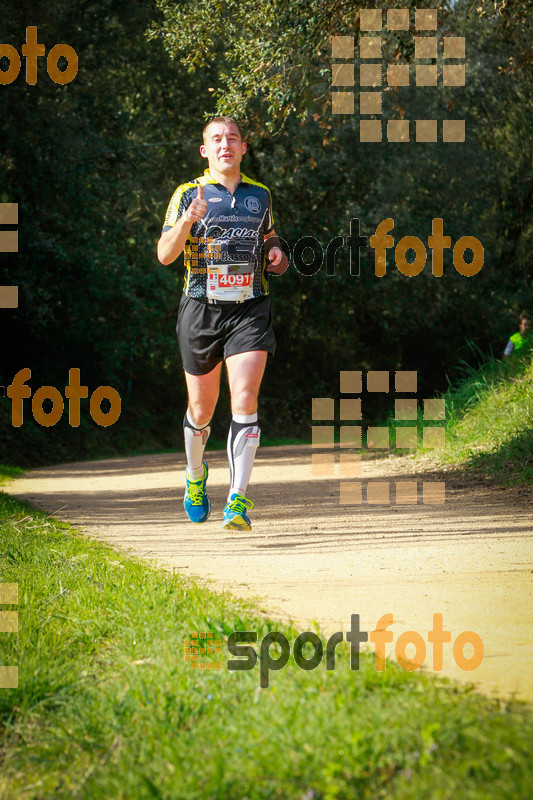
[195, 441]
[243, 440]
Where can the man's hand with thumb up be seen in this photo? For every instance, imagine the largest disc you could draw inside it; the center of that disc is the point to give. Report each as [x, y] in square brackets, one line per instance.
[197, 208]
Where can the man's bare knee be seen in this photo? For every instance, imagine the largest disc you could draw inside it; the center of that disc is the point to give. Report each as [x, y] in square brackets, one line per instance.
[244, 402]
[200, 414]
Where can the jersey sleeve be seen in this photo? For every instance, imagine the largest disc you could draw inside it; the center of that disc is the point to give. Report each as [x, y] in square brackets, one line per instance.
[268, 224]
[509, 348]
[179, 202]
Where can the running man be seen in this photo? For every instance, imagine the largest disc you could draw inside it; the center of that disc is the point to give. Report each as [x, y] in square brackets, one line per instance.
[519, 341]
[223, 223]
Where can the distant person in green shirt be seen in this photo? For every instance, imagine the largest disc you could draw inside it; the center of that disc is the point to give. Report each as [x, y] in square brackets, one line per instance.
[521, 341]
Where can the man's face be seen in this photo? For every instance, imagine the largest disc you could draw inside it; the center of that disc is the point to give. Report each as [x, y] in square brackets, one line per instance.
[525, 325]
[223, 147]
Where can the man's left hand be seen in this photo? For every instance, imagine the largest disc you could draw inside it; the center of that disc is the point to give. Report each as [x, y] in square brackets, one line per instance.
[278, 261]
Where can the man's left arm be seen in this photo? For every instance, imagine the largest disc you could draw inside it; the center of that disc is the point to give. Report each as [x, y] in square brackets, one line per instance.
[274, 254]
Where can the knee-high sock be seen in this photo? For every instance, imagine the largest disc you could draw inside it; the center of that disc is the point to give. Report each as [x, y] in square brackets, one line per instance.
[195, 441]
[243, 440]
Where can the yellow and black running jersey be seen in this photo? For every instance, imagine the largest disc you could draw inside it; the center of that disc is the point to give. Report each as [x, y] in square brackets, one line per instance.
[224, 252]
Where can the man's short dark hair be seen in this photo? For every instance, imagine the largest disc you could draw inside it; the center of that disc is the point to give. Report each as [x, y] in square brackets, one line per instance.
[524, 315]
[225, 121]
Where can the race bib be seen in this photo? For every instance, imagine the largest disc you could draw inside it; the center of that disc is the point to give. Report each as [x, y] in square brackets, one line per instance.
[230, 271]
[229, 286]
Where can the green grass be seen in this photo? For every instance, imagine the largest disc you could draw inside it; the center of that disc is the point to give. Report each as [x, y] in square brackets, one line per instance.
[7, 473]
[107, 708]
[490, 420]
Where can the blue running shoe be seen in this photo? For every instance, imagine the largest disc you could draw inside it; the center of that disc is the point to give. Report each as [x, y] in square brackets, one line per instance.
[196, 501]
[235, 518]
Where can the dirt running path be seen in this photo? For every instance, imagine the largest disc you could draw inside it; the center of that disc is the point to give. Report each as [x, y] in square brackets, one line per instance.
[311, 558]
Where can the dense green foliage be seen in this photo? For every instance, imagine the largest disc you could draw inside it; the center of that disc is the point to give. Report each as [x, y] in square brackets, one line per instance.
[93, 163]
[107, 707]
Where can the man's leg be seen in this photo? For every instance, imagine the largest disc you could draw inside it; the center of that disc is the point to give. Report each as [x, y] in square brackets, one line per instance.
[245, 371]
[203, 393]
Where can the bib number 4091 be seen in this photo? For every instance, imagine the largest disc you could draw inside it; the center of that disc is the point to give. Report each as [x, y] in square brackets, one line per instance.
[235, 280]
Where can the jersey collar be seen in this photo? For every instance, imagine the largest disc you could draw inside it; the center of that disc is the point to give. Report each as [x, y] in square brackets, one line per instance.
[210, 179]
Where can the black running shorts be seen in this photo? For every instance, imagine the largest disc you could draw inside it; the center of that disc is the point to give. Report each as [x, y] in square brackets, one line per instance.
[208, 333]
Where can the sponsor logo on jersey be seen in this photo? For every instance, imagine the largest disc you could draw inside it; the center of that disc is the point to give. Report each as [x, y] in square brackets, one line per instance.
[235, 218]
[252, 204]
[214, 231]
[214, 200]
[239, 233]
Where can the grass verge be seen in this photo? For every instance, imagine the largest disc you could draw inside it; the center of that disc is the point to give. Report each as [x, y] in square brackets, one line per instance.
[107, 707]
[489, 423]
[490, 420]
[7, 473]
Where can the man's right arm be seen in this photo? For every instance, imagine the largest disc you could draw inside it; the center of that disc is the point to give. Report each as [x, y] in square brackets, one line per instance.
[172, 242]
